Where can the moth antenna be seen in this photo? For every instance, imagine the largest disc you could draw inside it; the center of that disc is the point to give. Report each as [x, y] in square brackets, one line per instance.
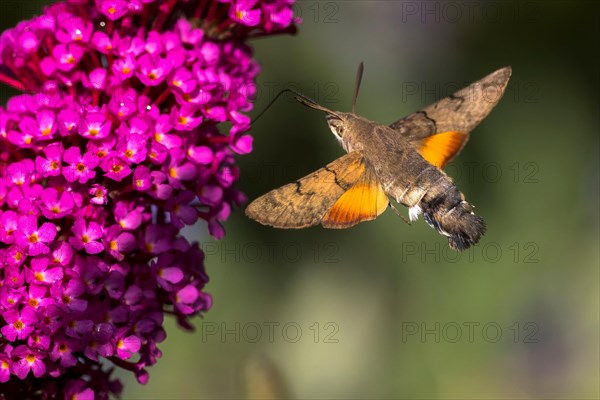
[307, 101]
[315, 106]
[359, 74]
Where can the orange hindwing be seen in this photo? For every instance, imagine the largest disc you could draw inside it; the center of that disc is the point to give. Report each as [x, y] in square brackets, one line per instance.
[364, 201]
[440, 148]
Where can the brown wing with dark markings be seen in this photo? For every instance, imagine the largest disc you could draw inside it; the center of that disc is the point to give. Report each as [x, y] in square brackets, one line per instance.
[340, 195]
[454, 116]
[304, 203]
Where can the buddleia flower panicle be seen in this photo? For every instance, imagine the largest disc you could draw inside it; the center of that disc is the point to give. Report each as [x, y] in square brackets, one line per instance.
[114, 145]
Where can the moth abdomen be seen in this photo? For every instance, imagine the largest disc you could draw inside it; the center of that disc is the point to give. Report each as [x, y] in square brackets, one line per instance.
[453, 217]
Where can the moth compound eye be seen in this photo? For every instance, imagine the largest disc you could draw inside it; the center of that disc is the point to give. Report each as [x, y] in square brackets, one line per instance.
[336, 128]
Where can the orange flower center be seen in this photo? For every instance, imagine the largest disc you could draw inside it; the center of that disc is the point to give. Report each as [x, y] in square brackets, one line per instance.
[33, 238]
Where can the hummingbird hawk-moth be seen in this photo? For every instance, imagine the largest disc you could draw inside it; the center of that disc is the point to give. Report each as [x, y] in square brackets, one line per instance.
[403, 161]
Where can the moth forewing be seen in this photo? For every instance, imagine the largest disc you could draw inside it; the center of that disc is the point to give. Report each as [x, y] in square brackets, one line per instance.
[459, 112]
[304, 202]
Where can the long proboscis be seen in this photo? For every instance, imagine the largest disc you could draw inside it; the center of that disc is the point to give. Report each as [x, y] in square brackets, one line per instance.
[301, 98]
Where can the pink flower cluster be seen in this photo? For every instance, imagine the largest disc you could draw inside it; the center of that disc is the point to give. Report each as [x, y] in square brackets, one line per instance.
[110, 151]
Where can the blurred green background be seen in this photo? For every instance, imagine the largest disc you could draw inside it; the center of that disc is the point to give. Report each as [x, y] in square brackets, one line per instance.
[385, 310]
